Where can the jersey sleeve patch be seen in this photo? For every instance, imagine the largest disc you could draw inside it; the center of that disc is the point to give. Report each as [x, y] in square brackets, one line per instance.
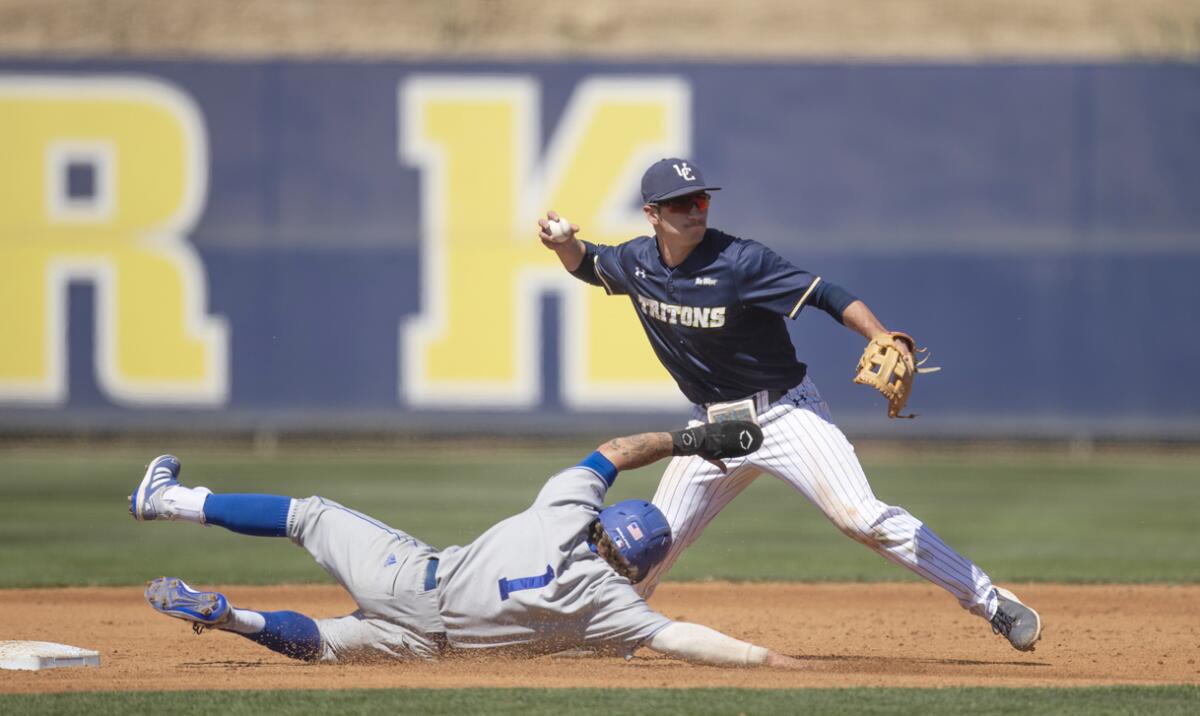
[800, 303]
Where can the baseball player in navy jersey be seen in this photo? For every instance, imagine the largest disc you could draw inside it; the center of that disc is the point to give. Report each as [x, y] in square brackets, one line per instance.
[713, 306]
[555, 577]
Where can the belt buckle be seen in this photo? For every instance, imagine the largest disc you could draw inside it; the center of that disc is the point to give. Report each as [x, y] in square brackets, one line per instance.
[734, 410]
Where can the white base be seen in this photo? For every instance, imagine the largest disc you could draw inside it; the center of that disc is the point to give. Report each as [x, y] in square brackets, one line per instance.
[38, 655]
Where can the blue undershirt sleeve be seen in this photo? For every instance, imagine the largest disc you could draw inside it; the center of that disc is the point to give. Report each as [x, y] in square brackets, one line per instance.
[587, 268]
[832, 299]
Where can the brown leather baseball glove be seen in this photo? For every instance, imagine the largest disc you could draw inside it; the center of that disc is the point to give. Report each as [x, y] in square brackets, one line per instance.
[886, 368]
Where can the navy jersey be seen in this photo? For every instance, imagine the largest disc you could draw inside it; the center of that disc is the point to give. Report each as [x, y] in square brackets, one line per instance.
[716, 321]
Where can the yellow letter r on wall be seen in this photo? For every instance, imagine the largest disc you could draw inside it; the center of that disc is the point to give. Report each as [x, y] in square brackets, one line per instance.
[102, 179]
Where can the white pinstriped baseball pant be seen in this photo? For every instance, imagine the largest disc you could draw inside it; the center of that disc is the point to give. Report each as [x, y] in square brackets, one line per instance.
[802, 447]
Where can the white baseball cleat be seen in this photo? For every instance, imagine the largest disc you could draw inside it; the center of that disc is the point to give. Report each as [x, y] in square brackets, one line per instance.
[146, 502]
[1018, 623]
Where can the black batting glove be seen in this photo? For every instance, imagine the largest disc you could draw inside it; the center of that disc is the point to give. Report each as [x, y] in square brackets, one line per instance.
[716, 441]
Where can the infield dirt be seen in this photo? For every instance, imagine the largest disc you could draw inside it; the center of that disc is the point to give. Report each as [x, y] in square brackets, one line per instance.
[850, 635]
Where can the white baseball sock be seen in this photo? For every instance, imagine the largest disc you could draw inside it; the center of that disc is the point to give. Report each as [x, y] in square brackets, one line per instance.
[185, 503]
[245, 621]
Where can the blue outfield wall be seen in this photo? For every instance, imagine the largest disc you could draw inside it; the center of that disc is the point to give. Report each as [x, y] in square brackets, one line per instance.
[350, 246]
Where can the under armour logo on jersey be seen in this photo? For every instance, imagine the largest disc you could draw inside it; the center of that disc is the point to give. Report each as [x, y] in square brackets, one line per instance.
[705, 281]
[684, 171]
[639, 272]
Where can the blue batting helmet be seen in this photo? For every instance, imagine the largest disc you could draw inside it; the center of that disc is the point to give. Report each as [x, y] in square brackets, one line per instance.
[640, 532]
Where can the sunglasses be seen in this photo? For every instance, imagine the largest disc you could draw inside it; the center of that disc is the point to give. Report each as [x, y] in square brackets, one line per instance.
[685, 203]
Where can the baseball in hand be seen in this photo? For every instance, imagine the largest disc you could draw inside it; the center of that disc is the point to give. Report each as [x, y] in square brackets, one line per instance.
[559, 230]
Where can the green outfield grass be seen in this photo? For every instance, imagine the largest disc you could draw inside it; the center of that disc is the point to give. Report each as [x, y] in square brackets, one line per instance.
[1126, 517]
[555, 702]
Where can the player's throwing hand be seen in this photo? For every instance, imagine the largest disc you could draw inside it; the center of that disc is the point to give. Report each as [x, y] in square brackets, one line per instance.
[555, 230]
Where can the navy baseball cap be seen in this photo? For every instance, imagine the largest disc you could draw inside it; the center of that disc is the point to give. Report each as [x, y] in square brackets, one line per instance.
[671, 178]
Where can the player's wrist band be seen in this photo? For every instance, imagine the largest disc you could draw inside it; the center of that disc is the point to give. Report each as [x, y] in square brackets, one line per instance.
[602, 466]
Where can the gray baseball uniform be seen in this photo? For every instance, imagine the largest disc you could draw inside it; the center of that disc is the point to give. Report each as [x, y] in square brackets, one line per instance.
[530, 583]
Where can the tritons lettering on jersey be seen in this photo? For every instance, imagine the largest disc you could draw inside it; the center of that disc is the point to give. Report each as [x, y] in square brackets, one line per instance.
[692, 316]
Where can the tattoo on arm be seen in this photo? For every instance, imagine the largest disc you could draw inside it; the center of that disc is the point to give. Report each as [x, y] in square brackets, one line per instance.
[634, 451]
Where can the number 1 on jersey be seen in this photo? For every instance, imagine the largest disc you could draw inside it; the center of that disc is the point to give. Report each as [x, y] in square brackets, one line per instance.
[508, 586]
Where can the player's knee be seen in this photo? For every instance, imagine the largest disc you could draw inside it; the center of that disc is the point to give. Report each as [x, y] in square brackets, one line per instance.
[867, 526]
[856, 531]
[304, 513]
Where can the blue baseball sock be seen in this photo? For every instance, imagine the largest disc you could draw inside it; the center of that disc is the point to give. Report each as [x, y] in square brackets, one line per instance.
[255, 515]
[291, 634]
